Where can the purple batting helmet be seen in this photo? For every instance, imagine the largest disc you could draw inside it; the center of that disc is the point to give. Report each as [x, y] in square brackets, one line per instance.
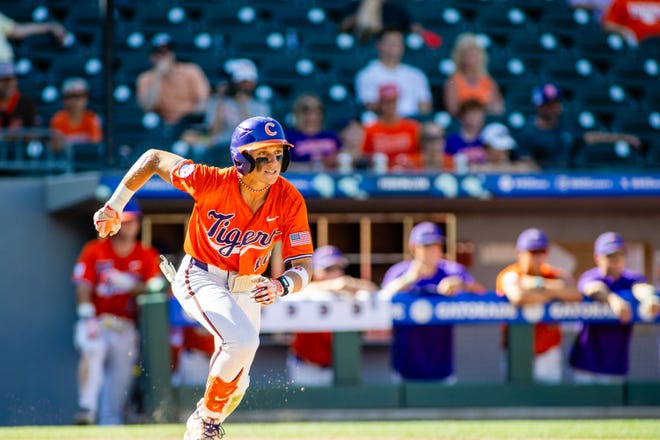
[252, 134]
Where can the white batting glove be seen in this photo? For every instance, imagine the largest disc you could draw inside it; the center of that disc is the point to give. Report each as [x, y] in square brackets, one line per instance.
[107, 221]
[86, 335]
[266, 291]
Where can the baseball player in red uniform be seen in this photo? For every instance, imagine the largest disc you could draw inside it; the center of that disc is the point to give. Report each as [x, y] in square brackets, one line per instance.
[239, 213]
[108, 274]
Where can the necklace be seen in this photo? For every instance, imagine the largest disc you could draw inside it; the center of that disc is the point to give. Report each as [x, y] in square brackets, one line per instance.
[252, 189]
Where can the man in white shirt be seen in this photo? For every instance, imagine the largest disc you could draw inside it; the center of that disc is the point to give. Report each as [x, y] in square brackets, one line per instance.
[415, 97]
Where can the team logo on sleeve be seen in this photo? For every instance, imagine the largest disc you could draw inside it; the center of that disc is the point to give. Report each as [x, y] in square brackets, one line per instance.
[186, 170]
[300, 238]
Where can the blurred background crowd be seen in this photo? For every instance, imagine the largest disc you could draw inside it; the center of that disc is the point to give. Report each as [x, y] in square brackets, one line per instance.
[454, 86]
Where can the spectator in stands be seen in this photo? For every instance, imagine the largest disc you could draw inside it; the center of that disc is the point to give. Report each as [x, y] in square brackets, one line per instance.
[171, 88]
[432, 146]
[500, 152]
[532, 281]
[315, 147]
[550, 141]
[309, 361]
[634, 20]
[471, 80]
[415, 99]
[16, 109]
[395, 137]
[465, 147]
[75, 123]
[229, 105]
[600, 352]
[367, 18]
[426, 352]
[11, 30]
[351, 134]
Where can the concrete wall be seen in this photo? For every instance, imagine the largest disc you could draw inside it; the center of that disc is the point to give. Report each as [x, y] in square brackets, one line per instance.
[38, 368]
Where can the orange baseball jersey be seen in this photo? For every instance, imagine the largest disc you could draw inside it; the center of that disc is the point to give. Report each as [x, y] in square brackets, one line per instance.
[87, 130]
[546, 336]
[224, 232]
[399, 141]
[95, 262]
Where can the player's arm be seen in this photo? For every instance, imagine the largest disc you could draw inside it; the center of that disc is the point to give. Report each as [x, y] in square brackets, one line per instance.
[106, 219]
[524, 290]
[598, 291]
[84, 306]
[648, 299]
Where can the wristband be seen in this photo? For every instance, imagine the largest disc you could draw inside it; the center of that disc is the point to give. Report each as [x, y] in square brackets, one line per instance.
[539, 282]
[302, 274]
[120, 198]
[86, 310]
[286, 283]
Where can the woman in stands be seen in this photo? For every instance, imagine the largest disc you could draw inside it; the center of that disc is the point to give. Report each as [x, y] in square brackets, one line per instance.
[471, 80]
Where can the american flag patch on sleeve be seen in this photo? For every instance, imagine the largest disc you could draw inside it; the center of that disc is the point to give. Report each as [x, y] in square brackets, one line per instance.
[300, 238]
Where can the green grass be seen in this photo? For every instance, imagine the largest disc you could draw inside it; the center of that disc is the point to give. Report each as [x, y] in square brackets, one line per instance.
[445, 430]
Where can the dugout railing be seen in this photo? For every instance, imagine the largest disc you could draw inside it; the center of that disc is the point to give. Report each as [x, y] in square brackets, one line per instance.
[165, 402]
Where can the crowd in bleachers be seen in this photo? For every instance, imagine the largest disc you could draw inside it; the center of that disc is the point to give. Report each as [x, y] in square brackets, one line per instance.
[495, 52]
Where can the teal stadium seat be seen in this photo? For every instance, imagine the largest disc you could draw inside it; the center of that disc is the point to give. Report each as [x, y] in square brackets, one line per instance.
[608, 157]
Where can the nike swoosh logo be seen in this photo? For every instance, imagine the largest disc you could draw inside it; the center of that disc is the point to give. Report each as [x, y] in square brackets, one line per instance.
[270, 219]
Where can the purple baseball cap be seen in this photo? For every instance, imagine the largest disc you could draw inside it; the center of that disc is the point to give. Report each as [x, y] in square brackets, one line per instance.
[328, 256]
[609, 243]
[532, 239]
[426, 233]
[545, 93]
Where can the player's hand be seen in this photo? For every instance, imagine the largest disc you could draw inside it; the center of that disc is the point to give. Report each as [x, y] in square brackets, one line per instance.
[266, 291]
[620, 307]
[649, 309]
[107, 221]
[450, 285]
[86, 335]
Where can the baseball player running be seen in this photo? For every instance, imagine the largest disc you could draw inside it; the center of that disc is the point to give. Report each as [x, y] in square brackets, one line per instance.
[239, 213]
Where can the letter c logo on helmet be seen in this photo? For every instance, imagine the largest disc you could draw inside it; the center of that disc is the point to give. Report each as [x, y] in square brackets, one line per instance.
[254, 133]
[268, 128]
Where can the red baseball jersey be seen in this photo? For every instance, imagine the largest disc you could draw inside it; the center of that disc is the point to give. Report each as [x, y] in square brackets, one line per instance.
[95, 262]
[224, 232]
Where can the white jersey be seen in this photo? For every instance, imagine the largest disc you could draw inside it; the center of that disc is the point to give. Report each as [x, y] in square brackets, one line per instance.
[412, 83]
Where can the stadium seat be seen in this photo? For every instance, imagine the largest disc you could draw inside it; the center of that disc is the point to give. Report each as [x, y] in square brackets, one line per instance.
[635, 72]
[608, 156]
[88, 157]
[639, 123]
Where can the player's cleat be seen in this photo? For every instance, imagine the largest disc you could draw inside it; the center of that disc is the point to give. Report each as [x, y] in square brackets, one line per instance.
[84, 417]
[199, 429]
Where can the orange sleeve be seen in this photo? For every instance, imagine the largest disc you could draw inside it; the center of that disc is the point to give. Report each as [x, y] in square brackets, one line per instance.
[296, 235]
[84, 269]
[96, 130]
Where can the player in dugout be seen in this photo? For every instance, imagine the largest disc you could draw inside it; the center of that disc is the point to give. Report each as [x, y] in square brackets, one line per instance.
[240, 213]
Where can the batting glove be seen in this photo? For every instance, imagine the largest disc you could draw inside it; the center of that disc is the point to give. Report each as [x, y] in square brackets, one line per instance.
[267, 291]
[107, 221]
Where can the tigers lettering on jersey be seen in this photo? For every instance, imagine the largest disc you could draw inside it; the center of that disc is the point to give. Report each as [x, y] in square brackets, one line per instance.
[229, 239]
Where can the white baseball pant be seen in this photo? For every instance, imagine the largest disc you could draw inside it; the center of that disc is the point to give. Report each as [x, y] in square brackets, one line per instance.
[234, 320]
